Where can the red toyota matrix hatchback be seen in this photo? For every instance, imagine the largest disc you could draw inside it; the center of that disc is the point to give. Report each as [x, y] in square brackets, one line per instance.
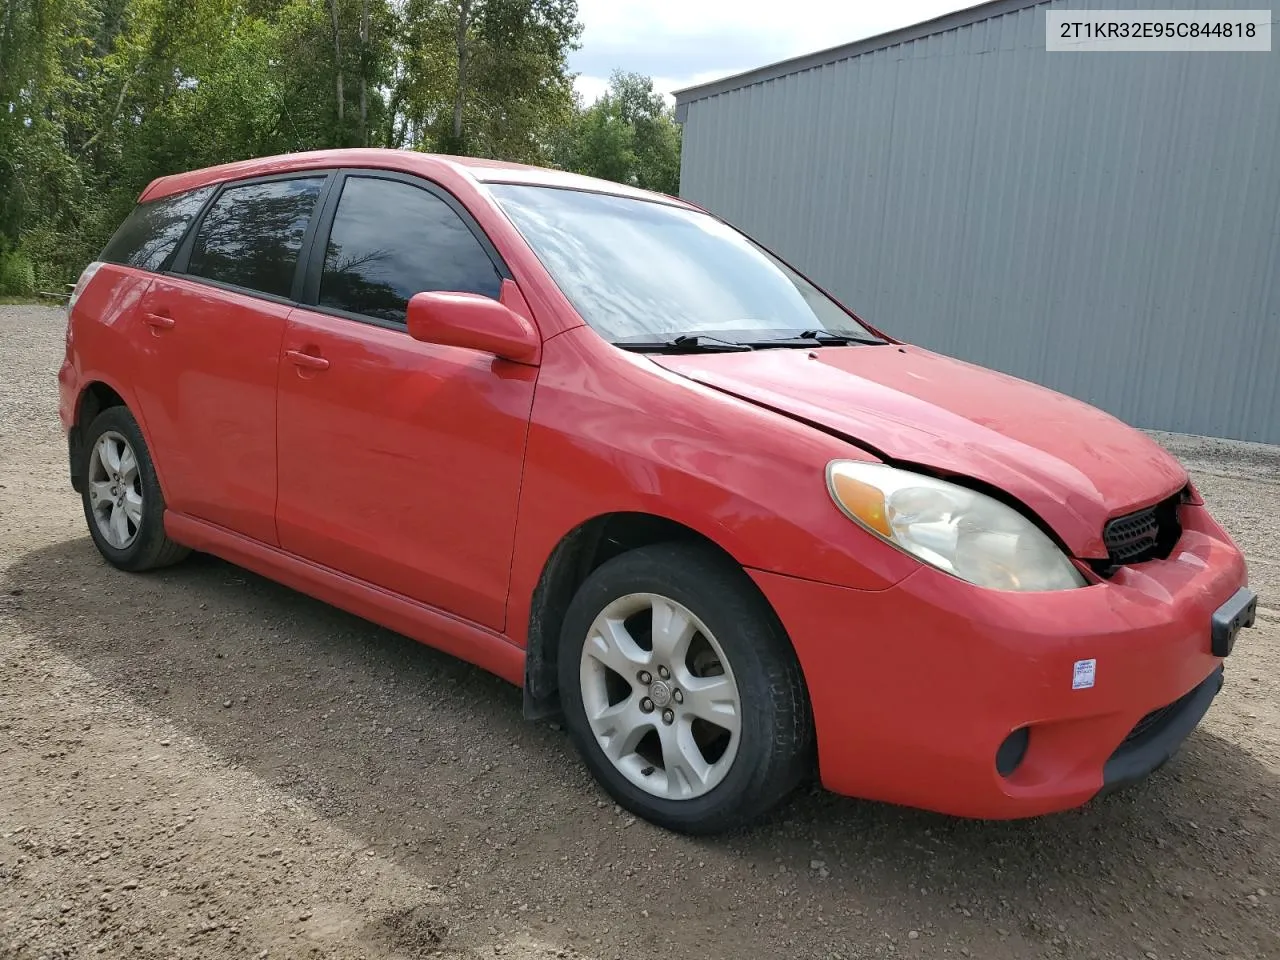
[602, 444]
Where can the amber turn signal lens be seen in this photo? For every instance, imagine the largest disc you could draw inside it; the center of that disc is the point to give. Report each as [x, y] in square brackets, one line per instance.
[863, 501]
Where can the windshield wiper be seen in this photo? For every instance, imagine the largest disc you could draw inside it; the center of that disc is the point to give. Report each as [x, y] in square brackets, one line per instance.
[685, 343]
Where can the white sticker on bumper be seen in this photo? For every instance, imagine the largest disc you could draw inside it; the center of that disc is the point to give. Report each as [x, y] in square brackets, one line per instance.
[1083, 675]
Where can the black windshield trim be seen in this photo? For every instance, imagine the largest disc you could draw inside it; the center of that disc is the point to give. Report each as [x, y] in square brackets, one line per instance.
[685, 343]
[823, 338]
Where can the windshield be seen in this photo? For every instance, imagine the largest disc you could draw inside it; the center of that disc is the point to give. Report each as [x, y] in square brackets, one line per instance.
[642, 270]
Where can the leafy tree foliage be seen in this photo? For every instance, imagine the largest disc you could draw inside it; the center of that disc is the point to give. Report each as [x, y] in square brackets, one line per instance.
[628, 135]
[98, 97]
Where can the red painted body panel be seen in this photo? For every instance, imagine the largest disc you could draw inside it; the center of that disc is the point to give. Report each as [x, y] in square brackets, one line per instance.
[207, 388]
[1072, 464]
[449, 171]
[914, 688]
[425, 487]
[400, 463]
[100, 348]
[614, 432]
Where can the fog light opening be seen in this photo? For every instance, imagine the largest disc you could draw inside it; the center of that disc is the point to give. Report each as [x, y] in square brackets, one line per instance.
[1011, 752]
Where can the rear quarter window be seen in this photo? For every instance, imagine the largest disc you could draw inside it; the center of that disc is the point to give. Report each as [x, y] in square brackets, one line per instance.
[149, 235]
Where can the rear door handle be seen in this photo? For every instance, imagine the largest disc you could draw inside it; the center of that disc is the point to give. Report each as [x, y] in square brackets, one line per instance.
[310, 361]
[158, 320]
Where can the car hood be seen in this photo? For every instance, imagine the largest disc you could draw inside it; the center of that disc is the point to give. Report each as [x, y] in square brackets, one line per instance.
[1074, 465]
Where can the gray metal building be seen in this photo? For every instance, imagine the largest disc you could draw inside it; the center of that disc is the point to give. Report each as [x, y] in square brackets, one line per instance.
[1107, 224]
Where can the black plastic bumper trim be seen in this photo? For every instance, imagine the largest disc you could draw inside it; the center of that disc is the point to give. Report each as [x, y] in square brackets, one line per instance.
[1137, 758]
[1232, 617]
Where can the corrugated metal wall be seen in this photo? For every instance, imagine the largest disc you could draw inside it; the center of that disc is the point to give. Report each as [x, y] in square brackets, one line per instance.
[1107, 224]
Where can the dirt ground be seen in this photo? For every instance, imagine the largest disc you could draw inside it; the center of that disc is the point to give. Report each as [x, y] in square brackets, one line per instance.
[200, 763]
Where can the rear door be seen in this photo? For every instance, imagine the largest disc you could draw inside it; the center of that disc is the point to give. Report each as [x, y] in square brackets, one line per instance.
[400, 461]
[209, 336]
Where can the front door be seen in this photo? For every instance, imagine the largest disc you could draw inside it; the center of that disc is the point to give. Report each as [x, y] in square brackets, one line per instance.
[399, 462]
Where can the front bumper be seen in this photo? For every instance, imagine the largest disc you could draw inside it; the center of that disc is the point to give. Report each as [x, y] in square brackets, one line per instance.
[1157, 736]
[915, 688]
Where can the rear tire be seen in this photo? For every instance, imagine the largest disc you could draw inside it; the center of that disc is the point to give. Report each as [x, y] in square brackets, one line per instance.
[700, 720]
[123, 503]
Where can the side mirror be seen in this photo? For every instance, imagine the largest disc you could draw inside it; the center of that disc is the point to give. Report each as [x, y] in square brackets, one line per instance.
[472, 322]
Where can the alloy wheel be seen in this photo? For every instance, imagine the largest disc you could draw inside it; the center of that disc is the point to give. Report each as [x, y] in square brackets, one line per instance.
[115, 489]
[660, 697]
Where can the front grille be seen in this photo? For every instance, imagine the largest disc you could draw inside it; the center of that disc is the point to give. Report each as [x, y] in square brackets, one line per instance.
[1145, 534]
[1131, 537]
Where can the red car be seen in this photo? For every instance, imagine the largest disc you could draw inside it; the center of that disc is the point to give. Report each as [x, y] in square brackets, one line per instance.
[600, 443]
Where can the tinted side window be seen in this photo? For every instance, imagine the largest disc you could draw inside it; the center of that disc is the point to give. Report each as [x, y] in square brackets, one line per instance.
[252, 234]
[152, 230]
[391, 240]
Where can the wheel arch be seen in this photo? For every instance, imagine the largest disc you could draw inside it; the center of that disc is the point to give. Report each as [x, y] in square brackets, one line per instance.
[578, 553]
[95, 394]
[93, 397]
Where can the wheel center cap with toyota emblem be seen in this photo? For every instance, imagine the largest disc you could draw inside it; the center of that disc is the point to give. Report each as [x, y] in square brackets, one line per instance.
[660, 693]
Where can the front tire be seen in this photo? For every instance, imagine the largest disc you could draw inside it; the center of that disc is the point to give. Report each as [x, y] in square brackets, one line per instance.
[123, 503]
[681, 690]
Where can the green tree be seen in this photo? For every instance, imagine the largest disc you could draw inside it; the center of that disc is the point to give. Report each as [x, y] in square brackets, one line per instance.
[629, 135]
[486, 77]
[48, 93]
[99, 97]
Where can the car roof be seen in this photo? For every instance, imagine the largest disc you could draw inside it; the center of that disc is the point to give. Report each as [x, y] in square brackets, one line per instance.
[408, 161]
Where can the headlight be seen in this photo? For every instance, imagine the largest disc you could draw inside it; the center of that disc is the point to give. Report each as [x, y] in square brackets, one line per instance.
[965, 533]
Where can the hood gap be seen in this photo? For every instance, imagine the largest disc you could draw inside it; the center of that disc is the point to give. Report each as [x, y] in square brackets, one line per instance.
[962, 480]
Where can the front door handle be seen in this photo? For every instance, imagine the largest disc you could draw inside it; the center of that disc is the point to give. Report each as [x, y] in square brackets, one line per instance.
[158, 320]
[310, 361]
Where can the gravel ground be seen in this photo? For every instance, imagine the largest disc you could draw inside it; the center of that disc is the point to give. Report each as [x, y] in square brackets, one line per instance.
[201, 763]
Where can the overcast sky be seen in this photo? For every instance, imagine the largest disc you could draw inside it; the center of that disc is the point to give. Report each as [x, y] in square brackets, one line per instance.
[685, 42]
